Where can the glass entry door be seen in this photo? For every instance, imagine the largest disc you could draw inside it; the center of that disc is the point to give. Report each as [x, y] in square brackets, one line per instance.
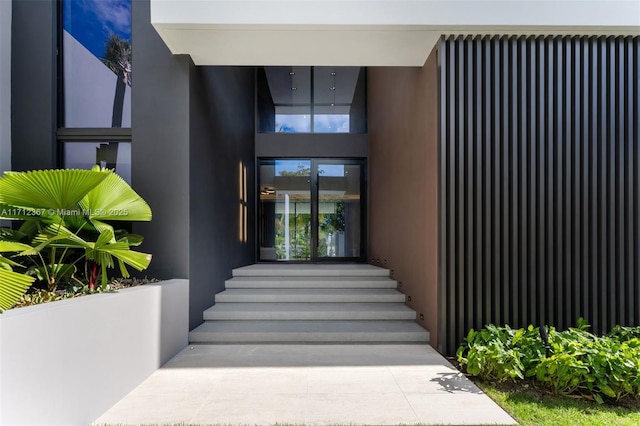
[285, 210]
[339, 218]
[311, 210]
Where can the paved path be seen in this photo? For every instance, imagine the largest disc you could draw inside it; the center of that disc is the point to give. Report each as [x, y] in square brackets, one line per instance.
[306, 384]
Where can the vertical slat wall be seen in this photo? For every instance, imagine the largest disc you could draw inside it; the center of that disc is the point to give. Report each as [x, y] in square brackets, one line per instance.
[539, 182]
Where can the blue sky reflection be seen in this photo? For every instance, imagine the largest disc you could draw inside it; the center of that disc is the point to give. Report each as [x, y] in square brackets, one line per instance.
[323, 123]
[92, 21]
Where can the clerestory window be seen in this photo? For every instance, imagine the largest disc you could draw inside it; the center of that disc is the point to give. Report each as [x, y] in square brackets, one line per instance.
[311, 100]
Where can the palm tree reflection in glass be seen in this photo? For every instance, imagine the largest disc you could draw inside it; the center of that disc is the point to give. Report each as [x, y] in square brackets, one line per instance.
[117, 58]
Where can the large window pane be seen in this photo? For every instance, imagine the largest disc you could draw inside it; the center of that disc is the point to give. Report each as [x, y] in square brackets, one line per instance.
[112, 155]
[334, 95]
[294, 121]
[311, 100]
[339, 210]
[285, 210]
[97, 63]
[331, 123]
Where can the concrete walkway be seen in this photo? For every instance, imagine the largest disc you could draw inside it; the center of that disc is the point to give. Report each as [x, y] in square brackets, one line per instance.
[306, 384]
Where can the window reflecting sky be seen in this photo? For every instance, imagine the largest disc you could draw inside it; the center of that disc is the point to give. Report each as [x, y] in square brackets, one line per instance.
[331, 123]
[323, 123]
[293, 123]
[92, 21]
[303, 168]
[312, 100]
[299, 167]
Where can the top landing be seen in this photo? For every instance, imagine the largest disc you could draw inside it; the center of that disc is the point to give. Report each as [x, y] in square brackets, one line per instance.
[310, 270]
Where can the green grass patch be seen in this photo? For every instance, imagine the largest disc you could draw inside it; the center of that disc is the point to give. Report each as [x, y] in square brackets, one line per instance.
[533, 406]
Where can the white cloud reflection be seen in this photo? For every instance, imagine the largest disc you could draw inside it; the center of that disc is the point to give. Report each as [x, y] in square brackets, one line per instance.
[113, 15]
[323, 123]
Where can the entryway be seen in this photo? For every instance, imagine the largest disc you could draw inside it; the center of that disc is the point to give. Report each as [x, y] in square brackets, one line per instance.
[311, 210]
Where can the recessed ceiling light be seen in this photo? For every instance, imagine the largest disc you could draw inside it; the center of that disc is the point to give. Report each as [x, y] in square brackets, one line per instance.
[333, 73]
[292, 73]
[294, 88]
[332, 88]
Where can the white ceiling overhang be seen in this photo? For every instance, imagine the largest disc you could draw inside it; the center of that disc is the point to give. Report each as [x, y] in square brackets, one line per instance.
[367, 32]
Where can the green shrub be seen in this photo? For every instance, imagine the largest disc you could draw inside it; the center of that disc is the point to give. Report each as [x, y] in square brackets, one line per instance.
[584, 364]
[577, 362]
[500, 353]
[621, 333]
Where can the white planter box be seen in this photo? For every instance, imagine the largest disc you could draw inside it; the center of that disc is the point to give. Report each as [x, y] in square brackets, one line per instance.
[67, 362]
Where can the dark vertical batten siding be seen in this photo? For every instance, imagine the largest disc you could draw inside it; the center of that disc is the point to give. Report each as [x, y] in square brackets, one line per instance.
[539, 182]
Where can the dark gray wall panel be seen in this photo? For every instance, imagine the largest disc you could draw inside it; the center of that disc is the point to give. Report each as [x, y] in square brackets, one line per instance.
[160, 146]
[222, 197]
[306, 145]
[265, 109]
[539, 183]
[33, 84]
[358, 111]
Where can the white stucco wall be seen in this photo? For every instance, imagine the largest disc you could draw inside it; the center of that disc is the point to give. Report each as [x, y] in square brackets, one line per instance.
[89, 88]
[5, 86]
[76, 358]
[366, 33]
[485, 14]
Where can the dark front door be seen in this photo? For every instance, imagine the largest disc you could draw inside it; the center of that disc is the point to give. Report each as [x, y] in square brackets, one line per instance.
[311, 210]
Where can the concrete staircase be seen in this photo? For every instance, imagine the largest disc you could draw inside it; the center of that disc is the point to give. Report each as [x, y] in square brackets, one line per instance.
[277, 303]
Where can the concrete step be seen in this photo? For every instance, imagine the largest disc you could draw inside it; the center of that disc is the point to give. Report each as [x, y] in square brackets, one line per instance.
[310, 270]
[311, 282]
[309, 295]
[309, 311]
[305, 303]
[309, 332]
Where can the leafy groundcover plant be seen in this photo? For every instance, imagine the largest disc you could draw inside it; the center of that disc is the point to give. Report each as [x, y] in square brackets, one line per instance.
[62, 237]
[572, 362]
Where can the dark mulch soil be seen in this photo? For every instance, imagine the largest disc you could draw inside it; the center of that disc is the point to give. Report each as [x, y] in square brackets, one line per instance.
[36, 296]
[120, 283]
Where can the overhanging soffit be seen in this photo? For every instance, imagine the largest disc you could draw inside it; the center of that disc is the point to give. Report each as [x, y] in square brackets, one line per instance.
[367, 33]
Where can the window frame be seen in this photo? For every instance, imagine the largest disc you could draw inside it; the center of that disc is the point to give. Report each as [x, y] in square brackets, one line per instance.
[78, 134]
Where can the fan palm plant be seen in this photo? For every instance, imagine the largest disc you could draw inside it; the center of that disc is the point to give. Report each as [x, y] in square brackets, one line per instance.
[12, 284]
[66, 214]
